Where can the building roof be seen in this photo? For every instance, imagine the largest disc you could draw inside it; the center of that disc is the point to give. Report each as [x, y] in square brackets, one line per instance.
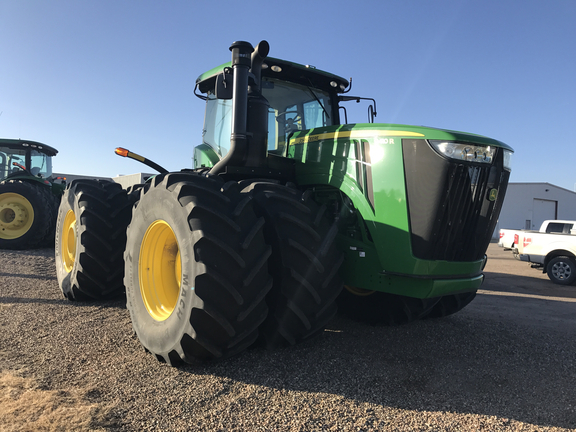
[543, 184]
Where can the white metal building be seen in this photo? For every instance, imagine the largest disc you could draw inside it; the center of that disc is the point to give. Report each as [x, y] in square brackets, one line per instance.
[131, 179]
[527, 205]
[124, 180]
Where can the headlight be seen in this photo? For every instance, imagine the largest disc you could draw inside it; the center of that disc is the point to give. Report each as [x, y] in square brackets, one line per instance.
[507, 160]
[465, 152]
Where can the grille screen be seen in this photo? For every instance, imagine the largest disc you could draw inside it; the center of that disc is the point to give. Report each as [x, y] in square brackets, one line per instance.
[452, 207]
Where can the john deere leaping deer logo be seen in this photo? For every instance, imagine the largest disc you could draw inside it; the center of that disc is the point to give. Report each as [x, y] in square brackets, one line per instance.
[493, 194]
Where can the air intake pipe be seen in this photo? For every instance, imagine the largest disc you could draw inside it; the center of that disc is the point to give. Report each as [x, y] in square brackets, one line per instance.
[241, 62]
[249, 111]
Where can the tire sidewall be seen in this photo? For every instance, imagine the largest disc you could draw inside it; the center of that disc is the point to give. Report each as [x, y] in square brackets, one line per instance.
[68, 202]
[160, 336]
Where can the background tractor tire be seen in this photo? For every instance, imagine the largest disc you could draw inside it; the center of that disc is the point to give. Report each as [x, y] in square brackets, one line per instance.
[562, 270]
[304, 263]
[380, 308]
[90, 240]
[450, 304]
[196, 269]
[26, 218]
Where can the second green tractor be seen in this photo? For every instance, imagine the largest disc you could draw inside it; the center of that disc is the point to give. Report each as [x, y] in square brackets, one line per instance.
[29, 195]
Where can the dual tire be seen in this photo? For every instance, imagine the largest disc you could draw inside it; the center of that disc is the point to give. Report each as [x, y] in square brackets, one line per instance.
[199, 258]
[90, 240]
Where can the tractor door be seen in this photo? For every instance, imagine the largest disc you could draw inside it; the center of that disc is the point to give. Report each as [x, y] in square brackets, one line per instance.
[40, 164]
[293, 108]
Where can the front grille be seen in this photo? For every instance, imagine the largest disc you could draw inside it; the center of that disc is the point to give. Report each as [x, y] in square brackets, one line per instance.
[452, 212]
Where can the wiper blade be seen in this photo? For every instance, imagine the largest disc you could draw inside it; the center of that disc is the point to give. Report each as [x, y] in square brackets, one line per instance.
[317, 100]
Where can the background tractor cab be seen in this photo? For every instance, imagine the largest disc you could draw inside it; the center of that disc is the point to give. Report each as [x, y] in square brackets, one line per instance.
[25, 158]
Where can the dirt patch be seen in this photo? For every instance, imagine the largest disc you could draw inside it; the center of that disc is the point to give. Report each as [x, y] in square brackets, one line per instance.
[24, 407]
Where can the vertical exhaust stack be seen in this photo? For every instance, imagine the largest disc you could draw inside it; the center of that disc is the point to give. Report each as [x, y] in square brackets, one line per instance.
[248, 140]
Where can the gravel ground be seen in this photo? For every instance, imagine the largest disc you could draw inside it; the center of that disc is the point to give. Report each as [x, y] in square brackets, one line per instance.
[505, 363]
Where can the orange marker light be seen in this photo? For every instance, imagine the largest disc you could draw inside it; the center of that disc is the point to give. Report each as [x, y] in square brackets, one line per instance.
[122, 151]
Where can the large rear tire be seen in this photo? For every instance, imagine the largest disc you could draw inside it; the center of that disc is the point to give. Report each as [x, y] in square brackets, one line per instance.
[304, 263]
[383, 308]
[25, 216]
[90, 240]
[196, 269]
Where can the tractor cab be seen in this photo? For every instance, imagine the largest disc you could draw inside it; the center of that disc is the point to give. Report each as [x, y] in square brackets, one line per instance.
[22, 158]
[299, 98]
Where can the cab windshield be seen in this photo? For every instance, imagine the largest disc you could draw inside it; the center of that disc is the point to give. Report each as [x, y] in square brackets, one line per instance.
[39, 164]
[293, 107]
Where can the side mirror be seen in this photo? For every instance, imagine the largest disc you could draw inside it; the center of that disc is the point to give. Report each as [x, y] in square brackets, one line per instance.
[224, 85]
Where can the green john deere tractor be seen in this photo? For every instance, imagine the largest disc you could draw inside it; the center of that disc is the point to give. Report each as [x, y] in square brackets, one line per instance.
[288, 212]
[29, 196]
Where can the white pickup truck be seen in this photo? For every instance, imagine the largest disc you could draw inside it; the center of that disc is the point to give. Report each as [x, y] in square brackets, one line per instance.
[509, 237]
[554, 254]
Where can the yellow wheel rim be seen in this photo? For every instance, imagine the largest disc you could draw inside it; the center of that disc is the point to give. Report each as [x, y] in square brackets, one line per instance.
[69, 239]
[359, 291]
[160, 270]
[16, 215]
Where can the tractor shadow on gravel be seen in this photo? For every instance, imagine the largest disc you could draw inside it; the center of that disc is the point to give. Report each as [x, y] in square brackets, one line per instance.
[483, 360]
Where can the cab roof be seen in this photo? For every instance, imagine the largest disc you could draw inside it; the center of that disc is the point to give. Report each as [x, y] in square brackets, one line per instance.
[24, 144]
[282, 70]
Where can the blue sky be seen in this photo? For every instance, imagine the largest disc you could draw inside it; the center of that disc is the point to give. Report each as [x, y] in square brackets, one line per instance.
[89, 76]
